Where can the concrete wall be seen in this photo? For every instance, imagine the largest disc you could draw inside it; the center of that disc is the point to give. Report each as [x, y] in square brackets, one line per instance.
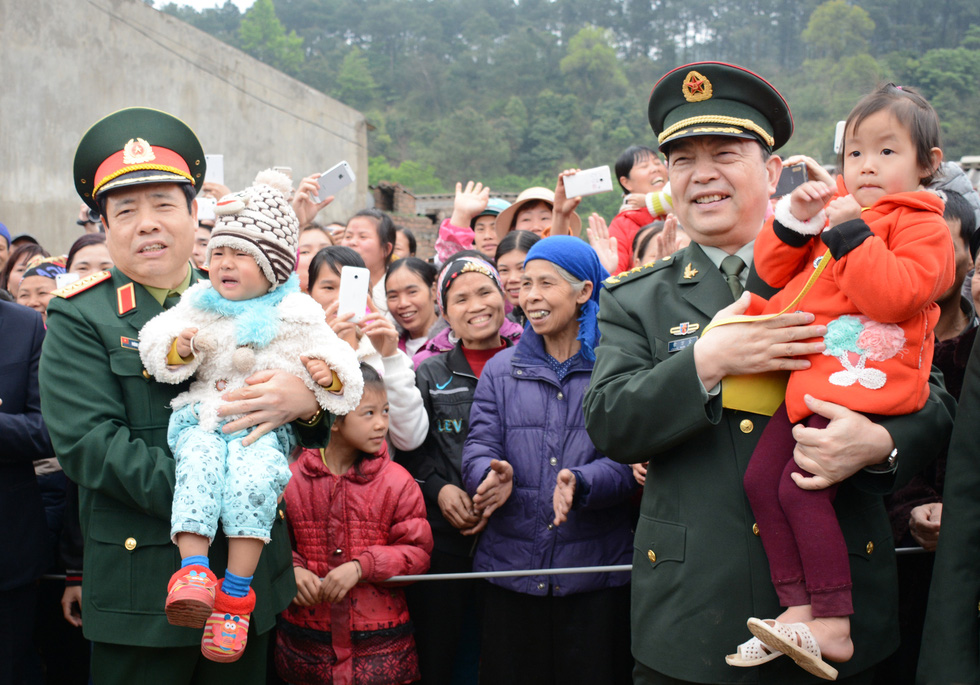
[64, 65]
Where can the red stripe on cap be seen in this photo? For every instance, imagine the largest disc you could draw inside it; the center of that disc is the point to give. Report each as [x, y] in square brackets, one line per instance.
[114, 166]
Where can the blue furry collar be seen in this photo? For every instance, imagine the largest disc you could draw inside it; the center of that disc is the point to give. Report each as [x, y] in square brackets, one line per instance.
[256, 320]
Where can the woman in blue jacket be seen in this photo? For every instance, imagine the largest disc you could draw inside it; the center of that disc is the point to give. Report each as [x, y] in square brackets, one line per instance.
[550, 498]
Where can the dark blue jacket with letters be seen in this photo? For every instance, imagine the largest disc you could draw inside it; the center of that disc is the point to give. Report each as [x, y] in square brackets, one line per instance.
[447, 384]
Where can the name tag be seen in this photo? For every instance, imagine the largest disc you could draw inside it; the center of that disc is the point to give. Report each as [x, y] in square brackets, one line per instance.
[678, 345]
[129, 343]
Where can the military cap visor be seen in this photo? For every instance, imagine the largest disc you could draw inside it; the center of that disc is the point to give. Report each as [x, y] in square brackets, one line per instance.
[714, 98]
[136, 146]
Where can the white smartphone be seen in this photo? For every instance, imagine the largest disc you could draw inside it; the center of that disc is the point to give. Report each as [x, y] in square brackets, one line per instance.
[333, 180]
[206, 208]
[66, 279]
[839, 137]
[215, 168]
[589, 182]
[354, 283]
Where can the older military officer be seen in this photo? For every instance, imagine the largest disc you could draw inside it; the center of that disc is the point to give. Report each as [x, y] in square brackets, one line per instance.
[699, 570]
[140, 170]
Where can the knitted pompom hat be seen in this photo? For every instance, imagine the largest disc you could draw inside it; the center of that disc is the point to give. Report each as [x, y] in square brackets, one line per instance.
[260, 221]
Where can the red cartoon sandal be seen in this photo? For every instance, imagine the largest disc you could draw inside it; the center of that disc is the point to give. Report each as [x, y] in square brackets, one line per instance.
[226, 630]
[190, 596]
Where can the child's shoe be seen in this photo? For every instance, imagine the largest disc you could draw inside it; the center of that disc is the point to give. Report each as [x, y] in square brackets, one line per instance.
[190, 596]
[226, 630]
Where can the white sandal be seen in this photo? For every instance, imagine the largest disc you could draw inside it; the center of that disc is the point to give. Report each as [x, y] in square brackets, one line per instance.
[754, 652]
[795, 641]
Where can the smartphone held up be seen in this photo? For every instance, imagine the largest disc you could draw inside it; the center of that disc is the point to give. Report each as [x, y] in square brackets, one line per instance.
[333, 180]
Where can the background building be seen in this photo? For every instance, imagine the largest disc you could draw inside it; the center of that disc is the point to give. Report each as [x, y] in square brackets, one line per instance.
[64, 65]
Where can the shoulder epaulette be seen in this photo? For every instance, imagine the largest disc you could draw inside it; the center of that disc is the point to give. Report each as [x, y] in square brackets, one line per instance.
[636, 272]
[82, 284]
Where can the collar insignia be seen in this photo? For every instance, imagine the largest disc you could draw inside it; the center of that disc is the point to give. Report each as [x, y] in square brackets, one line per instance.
[684, 328]
[696, 88]
[690, 272]
[137, 151]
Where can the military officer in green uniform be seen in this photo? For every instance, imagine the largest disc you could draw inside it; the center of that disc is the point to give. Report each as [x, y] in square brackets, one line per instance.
[662, 394]
[950, 653]
[140, 169]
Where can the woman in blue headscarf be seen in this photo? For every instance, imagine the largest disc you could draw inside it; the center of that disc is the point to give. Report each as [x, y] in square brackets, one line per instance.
[550, 498]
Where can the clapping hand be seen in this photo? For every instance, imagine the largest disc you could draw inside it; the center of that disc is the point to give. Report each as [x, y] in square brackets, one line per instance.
[604, 245]
[564, 495]
[495, 488]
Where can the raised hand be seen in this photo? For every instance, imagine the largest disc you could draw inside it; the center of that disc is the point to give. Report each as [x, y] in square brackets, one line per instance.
[604, 245]
[304, 206]
[469, 202]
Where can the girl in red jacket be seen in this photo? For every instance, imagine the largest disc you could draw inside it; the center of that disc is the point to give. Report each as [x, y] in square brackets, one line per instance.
[355, 519]
[890, 256]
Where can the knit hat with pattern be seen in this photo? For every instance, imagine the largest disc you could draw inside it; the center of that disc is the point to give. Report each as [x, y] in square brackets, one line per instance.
[260, 221]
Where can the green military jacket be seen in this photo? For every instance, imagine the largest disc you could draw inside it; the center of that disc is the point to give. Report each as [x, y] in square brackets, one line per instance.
[951, 636]
[108, 423]
[699, 569]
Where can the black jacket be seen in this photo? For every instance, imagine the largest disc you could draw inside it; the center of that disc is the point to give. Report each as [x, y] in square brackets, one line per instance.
[447, 384]
[23, 438]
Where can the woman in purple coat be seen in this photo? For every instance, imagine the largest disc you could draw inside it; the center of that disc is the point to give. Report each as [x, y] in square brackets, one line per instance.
[551, 499]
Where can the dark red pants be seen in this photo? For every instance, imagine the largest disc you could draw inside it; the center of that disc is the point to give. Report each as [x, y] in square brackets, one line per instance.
[799, 529]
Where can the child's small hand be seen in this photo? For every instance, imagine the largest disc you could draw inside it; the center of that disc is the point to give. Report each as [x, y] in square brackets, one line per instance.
[843, 209]
[307, 587]
[184, 342]
[318, 369]
[806, 200]
[338, 582]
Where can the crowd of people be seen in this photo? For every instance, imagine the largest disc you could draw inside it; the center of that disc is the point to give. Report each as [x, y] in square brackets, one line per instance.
[216, 468]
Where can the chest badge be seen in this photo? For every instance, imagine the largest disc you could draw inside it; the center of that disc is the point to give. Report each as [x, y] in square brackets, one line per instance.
[690, 272]
[129, 343]
[685, 328]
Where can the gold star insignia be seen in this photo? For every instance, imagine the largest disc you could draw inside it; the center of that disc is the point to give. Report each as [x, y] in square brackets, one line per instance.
[696, 87]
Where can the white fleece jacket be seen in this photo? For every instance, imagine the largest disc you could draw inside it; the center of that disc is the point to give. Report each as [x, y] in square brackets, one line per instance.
[219, 365]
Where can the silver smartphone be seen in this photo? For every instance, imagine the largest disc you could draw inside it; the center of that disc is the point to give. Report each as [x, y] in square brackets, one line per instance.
[333, 180]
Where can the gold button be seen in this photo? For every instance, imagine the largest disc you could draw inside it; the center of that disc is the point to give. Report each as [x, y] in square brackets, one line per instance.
[755, 529]
[651, 556]
[130, 544]
[282, 515]
[146, 374]
[746, 426]
[870, 547]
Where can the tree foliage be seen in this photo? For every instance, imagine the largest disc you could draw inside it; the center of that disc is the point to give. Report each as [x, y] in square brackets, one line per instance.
[262, 35]
[836, 30]
[512, 91]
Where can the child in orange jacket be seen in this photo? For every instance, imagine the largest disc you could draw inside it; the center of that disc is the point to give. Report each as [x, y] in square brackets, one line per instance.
[890, 256]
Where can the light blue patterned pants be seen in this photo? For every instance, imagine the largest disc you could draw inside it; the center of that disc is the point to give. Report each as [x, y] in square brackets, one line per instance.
[218, 477]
